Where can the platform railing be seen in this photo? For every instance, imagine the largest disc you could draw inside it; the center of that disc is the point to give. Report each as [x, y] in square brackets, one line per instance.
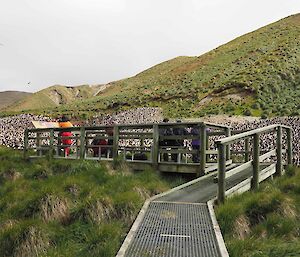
[130, 142]
[271, 167]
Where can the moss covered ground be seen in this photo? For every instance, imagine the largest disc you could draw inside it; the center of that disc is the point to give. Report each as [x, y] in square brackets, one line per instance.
[69, 208]
[264, 223]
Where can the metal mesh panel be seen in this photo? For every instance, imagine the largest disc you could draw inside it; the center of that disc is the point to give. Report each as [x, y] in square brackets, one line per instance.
[174, 230]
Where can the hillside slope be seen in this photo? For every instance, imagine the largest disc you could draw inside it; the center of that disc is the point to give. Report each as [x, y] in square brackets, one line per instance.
[54, 96]
[253, 74]
[9, 97]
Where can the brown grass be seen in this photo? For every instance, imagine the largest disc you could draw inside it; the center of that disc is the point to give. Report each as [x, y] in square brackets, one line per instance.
[242, 227]
[31, 243]
[53, 208]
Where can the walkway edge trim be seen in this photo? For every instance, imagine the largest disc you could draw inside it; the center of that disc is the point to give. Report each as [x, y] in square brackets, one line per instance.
[221, 243]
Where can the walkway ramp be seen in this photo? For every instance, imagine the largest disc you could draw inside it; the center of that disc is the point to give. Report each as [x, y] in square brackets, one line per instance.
[175, 230]
[179, 223]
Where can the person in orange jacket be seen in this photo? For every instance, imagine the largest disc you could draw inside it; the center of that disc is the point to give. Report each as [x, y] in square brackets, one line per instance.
[65, 123]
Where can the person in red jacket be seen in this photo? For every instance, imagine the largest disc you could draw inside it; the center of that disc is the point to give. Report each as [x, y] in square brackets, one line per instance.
[65, 123]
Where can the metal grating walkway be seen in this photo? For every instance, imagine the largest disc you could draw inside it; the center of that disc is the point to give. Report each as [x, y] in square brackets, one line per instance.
[175, 230]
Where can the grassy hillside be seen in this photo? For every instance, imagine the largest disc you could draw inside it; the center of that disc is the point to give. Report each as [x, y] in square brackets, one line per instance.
[9, 97]
[264, 223]
[76, 208]
[53, 96]
[255, 74]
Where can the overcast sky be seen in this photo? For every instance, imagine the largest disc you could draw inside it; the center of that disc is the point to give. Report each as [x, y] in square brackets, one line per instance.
[73, 42]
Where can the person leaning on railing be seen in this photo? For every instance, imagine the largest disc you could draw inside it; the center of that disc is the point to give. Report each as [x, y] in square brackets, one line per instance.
[65, 123]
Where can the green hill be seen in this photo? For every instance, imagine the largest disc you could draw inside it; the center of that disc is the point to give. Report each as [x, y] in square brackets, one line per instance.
[61, 208]
[54, 96]
[255, 74]
[259, 71]
[266, 222]
[9, 97]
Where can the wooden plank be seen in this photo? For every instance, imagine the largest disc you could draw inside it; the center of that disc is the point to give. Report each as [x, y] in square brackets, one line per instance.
[267, 155]
[289, 146]
[221, 173]
[227, 134]
[247, 149]
[279, 168]
[25, 151]
[255, 180]
[51, 146]
[242, 187]
[202, 149]
[240, 168]
[267, 172]
[235, 138]
[82, 143]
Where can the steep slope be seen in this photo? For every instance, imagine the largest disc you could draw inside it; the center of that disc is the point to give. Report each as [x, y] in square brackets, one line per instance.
[9, 97]
[257, 73]
[54, 96]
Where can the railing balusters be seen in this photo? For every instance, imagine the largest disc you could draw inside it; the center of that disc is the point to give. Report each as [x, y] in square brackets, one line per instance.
[289, 146]
[255, 164]
[202, 149]
[221, 172]
[279, 170]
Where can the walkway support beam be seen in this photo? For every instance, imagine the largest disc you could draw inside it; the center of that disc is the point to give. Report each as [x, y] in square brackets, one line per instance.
[115, 142]
[51, 144]
[221, 173]
[289, 146]
[256, 166]
[155, 151]
[247, 149]
[227, 134]
[25, 153]
[202, 149]
[82, 143]
[279, 152]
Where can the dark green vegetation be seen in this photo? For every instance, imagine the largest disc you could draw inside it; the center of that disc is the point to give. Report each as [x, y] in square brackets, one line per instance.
[62, 208]
[264, 223]
[255, 74]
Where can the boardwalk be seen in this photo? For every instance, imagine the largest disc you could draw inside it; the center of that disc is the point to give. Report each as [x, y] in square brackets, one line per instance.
[179, 223]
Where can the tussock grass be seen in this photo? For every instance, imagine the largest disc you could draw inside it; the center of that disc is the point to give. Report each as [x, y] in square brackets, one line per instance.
[266, 222]
[69, 208]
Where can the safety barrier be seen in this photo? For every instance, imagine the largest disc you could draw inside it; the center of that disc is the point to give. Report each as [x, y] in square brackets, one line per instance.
[257, 160]
[138, 144]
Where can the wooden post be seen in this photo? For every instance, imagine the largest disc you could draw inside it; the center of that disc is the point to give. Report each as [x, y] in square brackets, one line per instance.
[227, 134]
[221, 172]
[255, 179]
[289, 146]
[207, 146]
[38, 143]
[51, 143]
[25, 152]
[82, 143]
[247, 148]
[279, 151]
[202, 150]
[155, 149]
[115, 142]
